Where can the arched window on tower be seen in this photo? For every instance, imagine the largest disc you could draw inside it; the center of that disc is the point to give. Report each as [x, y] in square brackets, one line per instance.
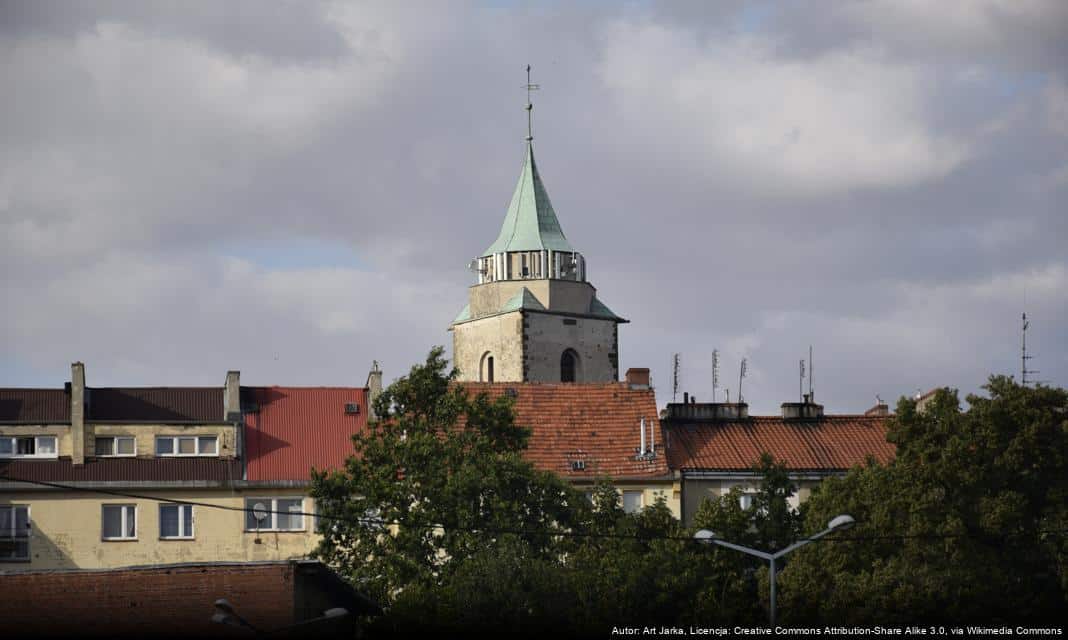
[486, 368]
[569, 366]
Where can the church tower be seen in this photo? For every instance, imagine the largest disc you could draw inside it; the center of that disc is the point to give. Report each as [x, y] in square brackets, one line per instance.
[532, 316]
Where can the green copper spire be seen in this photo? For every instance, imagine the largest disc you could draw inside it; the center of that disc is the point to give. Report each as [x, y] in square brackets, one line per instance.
[530, 224]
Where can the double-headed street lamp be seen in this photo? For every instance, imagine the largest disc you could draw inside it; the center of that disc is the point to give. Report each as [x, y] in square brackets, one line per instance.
[705, 536]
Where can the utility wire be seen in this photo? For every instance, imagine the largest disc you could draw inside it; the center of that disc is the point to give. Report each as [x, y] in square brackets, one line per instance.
[567, 534]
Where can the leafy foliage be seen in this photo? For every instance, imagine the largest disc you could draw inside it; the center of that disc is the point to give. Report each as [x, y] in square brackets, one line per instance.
[972, 495]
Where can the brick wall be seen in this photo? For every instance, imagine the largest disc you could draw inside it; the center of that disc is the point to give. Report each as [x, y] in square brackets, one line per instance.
[176, 600]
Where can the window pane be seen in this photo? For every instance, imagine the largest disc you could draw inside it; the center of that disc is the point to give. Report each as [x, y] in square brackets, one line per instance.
[131, 522]
[5, 447]
[168, 521]
[251, 522]
[187, 445]
[7, 522]
[25, 446]
[46, 445]
[125, 446]
[632, 501]
[112, 521]
[187, 520]
[208, 445]
[22, 522]
[104, 446]
[164, 446]
[292, 519]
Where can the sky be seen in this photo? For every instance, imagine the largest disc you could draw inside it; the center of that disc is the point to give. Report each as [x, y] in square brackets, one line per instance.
[295, 189]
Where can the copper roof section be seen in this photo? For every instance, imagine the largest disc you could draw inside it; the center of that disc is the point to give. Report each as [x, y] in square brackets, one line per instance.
[598, 425]
[222, 470]
[289, 430]
[34, 406]
[833, 443]
[155, 404]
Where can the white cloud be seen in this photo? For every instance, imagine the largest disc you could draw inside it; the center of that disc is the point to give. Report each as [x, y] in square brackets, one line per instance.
[845, 120]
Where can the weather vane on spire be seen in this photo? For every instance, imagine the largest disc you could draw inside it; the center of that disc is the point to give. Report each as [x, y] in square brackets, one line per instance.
[530, 106]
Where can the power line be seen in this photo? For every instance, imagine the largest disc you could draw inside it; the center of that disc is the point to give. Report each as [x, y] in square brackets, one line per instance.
[566, 534]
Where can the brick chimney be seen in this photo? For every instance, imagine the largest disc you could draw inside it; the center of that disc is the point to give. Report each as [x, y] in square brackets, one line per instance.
[637, 378]
[374, 388]
[232, 397]
[77, 412]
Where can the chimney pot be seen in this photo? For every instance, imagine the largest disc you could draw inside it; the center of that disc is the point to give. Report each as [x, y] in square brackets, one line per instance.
[77, 412]
[232, 396]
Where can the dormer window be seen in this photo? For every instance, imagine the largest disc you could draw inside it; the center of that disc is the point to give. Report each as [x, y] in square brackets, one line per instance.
[28, 447]
[181, 446]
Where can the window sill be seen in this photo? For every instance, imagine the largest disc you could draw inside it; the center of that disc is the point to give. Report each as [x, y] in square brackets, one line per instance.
[276, 530]
[177, 538]
[118, 539]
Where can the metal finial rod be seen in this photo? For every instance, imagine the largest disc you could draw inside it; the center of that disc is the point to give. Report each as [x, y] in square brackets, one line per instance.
[530, 106]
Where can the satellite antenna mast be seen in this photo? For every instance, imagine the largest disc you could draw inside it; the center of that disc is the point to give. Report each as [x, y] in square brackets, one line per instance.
[715, 373]
[741, 374]
[675, 377]
[801, 382]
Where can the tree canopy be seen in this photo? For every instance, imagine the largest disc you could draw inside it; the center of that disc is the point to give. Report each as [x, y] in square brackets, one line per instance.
[966, 524]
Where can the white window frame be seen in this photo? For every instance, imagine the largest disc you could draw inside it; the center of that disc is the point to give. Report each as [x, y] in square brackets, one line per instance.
[12, 534]
[745, 500]
[36, 447]
[196, 446]
[115, 447]
[273, 500]
[181, 521]
[122, 523]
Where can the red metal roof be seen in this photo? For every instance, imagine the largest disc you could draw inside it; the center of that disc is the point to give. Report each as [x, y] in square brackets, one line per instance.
[832, 443]
[155, 404]
[38, 406]
[297, 428]
[598, 424]
[123, 469]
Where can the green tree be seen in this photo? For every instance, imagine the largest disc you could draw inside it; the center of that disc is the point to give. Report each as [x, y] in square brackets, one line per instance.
[961, 526]
[436, 488]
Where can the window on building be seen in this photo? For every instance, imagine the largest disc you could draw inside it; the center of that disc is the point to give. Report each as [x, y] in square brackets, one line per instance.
[116, 446]
[274, 514]
[14, 533]
[119, 522]
[27, 446]
[187, 445]
[745, 500]
[176, 521]
[632, 501]
[569, 366]
[486, 373]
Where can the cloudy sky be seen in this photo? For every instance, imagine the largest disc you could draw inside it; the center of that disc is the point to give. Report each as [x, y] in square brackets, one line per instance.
[294, 189]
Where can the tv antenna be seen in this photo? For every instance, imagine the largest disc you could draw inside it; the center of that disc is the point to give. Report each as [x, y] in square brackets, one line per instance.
[1024, 371]
[741, 374]
[801, 382]
[811, 371]
[675, 377]
[715, 373]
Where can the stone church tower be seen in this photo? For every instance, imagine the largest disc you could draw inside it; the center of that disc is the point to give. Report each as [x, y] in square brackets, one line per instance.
[532, 316]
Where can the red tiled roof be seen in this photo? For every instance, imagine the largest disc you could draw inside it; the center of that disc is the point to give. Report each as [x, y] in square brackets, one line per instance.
[832, 443]
[155, 404]
[296, 428]
[598, 424]
[40, 406]
[123, 469]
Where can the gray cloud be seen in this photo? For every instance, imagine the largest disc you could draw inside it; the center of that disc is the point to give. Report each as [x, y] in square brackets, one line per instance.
[884, 182]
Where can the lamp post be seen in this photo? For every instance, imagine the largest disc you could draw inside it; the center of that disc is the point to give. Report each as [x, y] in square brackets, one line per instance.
[704, 536]
[225, 614]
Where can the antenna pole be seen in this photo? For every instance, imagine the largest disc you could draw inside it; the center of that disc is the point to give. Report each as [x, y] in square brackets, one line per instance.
[801, 382]
[810, 373]
[675, 378]
[715, 373]
[741, 374]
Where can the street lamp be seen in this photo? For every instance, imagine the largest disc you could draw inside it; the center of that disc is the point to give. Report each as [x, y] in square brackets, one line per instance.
[842, 522]
[225, 614]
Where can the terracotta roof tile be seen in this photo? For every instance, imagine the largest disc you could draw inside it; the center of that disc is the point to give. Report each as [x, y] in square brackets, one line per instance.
[832, 443]
[598, 424]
